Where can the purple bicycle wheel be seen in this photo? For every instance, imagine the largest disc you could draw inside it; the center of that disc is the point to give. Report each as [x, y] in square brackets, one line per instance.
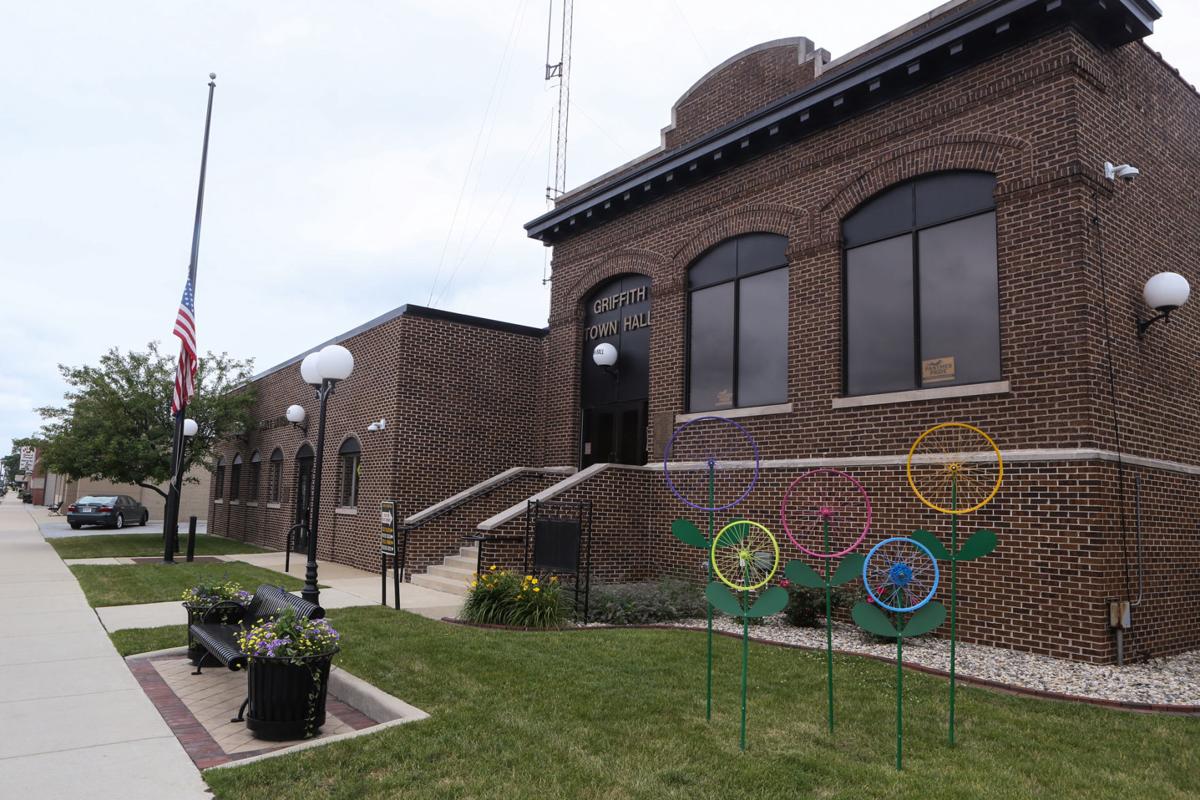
[716, 463]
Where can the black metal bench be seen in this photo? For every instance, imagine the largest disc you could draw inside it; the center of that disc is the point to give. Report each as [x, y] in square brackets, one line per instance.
[219, 640]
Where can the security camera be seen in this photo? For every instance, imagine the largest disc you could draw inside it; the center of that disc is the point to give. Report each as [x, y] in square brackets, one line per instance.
[1125, 172]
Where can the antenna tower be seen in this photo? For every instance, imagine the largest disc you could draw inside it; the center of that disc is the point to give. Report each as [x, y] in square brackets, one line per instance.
[558, 68]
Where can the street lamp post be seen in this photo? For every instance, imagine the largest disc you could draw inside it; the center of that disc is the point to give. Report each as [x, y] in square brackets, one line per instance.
[321, 370]
[170, 533]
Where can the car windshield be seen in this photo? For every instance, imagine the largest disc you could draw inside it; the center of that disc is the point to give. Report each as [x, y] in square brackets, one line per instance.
[90, 500]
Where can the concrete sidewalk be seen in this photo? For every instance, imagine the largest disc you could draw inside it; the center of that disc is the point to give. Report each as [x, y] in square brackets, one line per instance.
[75, 719]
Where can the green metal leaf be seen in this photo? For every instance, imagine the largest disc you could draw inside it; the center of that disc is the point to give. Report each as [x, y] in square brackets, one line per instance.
[933, 543]
[926, 618]
[718, 594]
[686, 532]
[850, 569]
[979, 545]
[771, 601]
[872, 620]
[803, 574]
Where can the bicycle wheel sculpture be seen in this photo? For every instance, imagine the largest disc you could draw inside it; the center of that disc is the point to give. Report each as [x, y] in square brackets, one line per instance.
[744, 557]
[824, 510]
[900, 576]
[715, 467]
[955, 468]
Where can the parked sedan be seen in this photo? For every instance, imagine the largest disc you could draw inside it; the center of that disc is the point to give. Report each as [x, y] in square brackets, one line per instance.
[110, 510]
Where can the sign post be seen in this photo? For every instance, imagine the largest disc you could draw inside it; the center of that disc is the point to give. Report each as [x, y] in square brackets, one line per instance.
[387, 547]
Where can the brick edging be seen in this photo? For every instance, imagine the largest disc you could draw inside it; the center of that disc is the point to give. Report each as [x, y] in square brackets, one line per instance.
[1040, 694]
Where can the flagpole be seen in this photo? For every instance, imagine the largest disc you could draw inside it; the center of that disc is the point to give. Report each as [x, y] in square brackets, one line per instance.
[171, 514]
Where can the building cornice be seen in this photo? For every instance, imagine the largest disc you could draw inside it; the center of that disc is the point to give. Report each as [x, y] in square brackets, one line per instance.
[887, 73]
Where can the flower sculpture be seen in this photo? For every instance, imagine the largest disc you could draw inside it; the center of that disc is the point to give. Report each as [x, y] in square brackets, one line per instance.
[744, 557]
[822, 510]
[715, 467]
[955, 469]
[900, 576]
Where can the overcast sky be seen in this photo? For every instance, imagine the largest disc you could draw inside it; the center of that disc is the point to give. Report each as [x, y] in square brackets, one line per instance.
[342, 142]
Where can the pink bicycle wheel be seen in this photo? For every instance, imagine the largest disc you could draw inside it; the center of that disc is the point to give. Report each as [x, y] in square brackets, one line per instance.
[826, 497]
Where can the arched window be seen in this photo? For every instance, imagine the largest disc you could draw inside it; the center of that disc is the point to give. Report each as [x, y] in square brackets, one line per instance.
[275, 484]
[738, 324]
[235, 478]
[350, 460]
[219, 489]
[921, 299]
[255, 476]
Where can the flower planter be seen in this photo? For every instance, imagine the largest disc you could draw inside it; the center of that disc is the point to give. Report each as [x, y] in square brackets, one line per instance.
[287, 696]
[228, 612]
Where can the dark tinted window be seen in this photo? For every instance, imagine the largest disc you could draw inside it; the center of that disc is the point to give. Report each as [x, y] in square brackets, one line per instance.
[737, 324]
[879, 317]
[960, 307]
[711, 349]
[935, 285]
[762, 329]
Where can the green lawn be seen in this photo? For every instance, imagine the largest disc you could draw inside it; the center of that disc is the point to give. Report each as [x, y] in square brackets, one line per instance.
[153, 583]
[128, 545]
[147, 640]
[611, 714]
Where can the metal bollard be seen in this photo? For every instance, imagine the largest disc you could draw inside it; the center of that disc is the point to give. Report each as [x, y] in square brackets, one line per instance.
[191, 549]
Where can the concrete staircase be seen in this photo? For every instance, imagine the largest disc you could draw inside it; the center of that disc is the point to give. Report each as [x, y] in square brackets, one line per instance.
[453, 575]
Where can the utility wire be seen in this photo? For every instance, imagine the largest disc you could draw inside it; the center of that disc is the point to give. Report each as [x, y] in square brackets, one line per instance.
[691, 31]
[1112, 391]
[505, 192]
[517, 14]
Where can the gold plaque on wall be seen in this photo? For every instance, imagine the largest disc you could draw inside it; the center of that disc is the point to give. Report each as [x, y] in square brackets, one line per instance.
[937, 370]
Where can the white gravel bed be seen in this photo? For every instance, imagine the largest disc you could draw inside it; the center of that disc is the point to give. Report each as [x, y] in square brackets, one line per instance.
[1170, 681]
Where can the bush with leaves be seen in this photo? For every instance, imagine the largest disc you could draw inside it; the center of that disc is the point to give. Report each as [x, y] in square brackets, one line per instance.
[806, 606]
[500, 597]
[645, 603]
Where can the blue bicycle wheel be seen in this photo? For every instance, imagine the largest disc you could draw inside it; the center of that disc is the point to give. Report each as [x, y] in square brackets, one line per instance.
[900, 574]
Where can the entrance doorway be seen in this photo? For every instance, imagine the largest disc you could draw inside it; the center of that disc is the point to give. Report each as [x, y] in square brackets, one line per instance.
[614, 434]
[304, 473]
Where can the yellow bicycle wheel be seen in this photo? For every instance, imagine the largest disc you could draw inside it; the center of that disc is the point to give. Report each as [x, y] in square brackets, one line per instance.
[955, 468]
[745, 555]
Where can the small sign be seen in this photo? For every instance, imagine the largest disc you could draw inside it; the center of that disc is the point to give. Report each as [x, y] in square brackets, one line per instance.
[387, 530]
[937, 370]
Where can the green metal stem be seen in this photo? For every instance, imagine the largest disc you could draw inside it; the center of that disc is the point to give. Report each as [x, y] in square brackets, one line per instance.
[828, 621]
[745, 658]
[708, 579]
[899, 697]
[953, 592]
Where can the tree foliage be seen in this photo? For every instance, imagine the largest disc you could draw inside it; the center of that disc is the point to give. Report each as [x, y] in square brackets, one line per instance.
[117, 421]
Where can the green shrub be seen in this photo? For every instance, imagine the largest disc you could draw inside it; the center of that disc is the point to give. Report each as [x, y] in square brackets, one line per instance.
[806, 607]
[645, 603]
[500, 597]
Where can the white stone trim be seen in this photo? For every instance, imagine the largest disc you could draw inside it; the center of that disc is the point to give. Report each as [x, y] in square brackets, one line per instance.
[1030, 456]
[348, 511]
[736, 413]
[483, 486]
[917, 395]
[274, 505]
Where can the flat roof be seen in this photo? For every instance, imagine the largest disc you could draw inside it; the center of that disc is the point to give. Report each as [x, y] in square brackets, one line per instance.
[410, 310]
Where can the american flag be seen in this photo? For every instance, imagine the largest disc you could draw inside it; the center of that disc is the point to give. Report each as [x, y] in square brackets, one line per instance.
[185, 329]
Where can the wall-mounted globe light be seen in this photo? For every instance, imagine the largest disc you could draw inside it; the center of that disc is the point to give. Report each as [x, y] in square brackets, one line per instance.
[295, 415]
[1164, 292]
[605, 356]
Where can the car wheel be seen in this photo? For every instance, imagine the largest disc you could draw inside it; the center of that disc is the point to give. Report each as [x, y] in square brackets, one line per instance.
[76, 525]
[145, 518]
[120, 523]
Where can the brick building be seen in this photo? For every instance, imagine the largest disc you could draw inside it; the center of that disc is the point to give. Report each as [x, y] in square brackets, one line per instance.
[838, 254]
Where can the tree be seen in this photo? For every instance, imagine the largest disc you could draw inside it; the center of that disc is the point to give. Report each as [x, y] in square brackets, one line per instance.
[117, 422]
[12, 465]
